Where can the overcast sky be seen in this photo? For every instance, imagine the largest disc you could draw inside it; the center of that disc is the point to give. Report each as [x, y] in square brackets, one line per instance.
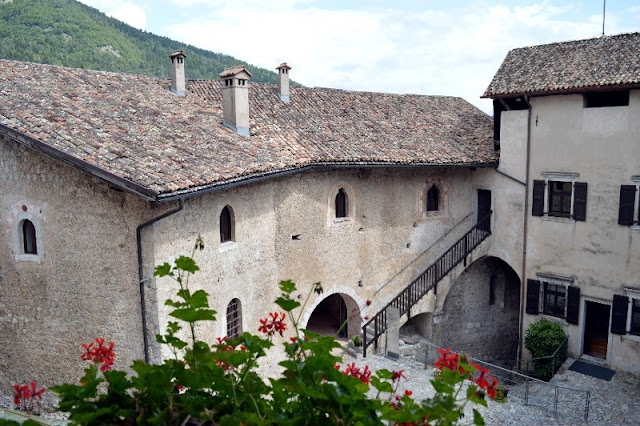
[402, 46]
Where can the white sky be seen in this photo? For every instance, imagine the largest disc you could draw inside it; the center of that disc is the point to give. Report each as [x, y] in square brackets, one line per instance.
[404, 46]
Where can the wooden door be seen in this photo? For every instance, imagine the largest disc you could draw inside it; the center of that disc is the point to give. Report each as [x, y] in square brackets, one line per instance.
[596, 329]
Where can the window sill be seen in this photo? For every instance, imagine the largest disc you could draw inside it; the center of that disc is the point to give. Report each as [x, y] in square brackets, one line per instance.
[559, 219]
[632, 337]
[37, 258]
[227, 246]
[342, 221]
[551, 318]
[635, 227]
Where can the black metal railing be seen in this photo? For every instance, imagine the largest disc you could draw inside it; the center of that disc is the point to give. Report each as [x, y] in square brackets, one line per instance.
[426, 281]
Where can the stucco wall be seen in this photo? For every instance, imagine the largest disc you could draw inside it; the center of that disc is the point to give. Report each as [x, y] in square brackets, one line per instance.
[601, 145]
[84, 284]
[356, 256]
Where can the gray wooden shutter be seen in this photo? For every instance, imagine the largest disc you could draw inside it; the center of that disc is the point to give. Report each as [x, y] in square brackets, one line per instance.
[573, 304]
[580, 201]
[537, 207]
[619, 314]
[533, 294]
[627, 203]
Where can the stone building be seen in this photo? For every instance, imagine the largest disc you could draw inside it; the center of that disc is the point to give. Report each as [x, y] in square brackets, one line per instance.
[569, 114]
[105, 175]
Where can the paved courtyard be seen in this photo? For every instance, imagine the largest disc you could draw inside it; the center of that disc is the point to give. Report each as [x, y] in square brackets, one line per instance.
[614, 402]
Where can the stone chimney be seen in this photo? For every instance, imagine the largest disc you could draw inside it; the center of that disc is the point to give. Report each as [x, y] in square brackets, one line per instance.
[235, 99]
[283, 81]
[177, 72]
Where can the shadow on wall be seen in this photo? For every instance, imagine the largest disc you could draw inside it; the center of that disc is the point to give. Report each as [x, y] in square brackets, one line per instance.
[480, 314]
[328, 317]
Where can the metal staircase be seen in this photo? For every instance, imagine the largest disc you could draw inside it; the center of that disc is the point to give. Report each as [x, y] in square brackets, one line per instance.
[427, 281]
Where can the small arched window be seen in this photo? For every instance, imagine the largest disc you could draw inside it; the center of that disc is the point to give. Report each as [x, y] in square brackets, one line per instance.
[234, 318]
[342, 201]
[433, 199]
[226, 225]
[29, 237]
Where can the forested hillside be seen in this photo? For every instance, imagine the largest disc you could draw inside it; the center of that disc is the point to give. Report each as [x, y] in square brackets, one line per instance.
[69, 33]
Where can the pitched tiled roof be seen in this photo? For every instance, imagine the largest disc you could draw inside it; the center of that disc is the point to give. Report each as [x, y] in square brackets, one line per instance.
[574, 66]
[133, 129]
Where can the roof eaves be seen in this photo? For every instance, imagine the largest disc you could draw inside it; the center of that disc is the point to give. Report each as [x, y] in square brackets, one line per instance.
[259, 177]
[79, 164]
[584, 89]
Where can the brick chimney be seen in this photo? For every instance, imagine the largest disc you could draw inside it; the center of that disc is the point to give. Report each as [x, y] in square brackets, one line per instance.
[235, 99]
[283, 81]
[177, 72]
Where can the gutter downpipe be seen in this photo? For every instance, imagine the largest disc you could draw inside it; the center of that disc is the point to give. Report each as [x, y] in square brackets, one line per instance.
[524, 233]
[143, 305]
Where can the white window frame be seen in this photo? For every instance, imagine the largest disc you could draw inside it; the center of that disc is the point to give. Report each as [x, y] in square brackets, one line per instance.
[631, 293]
[546, 278]
[558, 177]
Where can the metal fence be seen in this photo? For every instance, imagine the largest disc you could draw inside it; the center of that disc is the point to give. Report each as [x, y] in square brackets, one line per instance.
[560, 400]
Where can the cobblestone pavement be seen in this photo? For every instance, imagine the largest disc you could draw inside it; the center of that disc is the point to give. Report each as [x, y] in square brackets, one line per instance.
[615, 402]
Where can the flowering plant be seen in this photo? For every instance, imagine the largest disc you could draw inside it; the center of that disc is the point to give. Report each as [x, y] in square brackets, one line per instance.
[25, 397]
[218, 384]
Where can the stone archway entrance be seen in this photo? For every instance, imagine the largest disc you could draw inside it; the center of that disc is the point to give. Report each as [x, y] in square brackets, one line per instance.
[336, 315]
[479, 315]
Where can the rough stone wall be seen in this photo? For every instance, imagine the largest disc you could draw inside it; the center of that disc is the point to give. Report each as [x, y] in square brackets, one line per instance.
[84, 284]
[353, 256]
[469, 323]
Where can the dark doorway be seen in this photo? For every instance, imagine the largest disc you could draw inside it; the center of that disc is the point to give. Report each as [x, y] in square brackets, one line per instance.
[596, 329]
[329, 317]
[484, 208]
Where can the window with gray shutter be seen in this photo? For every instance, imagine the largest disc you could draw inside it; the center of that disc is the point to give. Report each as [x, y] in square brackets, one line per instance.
[533, 295]
[619, 314]
[627, 204]
[537, 208]
[573, 304]
[580, 201]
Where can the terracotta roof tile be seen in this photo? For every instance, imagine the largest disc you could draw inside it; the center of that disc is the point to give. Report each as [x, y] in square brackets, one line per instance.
[573, 66]
[133, 127]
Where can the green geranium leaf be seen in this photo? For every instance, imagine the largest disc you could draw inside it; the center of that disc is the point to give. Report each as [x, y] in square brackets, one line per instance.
[287, 305]
[162, 270]
[186, 264]
[287, 286]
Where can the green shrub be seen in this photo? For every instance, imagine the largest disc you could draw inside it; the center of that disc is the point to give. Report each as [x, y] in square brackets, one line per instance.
[542, 339]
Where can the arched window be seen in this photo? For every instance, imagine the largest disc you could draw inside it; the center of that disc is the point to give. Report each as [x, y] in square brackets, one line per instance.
[342, 201]
[433, 199]
[234, 318]
[226, 225]
[29, 237]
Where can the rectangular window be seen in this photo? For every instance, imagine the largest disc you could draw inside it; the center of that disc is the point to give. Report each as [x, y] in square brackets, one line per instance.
[559, 195]
[554, 301]
[560, 198]
[606, 99]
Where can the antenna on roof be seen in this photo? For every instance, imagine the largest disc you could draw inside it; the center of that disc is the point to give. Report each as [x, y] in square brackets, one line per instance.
[604, 7]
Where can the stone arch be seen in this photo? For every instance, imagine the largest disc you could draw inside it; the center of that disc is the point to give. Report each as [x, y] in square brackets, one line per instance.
[467, 321]
[345, 191]
[443, 198]
[328, 313]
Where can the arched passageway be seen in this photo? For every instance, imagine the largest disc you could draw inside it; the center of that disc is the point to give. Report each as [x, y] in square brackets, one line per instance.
[336, 315]
[479, 315]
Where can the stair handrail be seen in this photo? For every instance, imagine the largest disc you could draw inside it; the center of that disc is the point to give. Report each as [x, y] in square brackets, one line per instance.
[415, 259]
[428, 280]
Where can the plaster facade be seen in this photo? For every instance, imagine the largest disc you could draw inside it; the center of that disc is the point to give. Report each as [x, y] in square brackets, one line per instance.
[598, 146]
[286, 229]
[81, 284]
